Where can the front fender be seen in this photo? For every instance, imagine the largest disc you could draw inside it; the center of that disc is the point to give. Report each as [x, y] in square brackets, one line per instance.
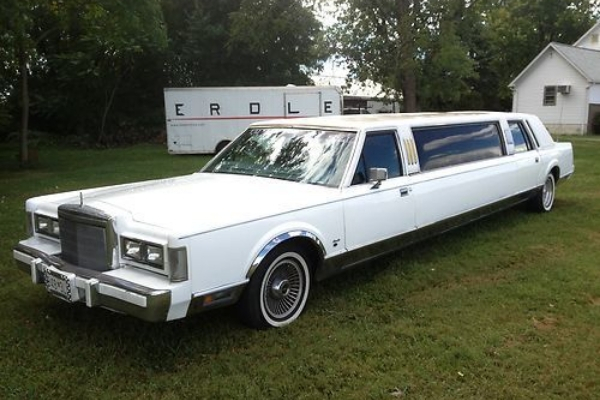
[282, 238]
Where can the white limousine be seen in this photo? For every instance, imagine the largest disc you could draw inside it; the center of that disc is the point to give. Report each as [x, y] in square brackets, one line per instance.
[286, 203]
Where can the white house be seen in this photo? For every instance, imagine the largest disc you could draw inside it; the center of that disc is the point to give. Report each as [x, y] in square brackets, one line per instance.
[562, 85]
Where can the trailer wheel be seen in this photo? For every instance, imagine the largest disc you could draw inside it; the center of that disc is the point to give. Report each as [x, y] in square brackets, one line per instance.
[222, 144]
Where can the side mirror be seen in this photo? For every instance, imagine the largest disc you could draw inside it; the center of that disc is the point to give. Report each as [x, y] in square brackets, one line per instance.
[377, 175]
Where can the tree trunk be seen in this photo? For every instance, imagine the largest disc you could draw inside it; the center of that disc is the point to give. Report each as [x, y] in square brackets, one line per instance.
[409, 91]
[107, 106]
[407, 66]
[24, 156]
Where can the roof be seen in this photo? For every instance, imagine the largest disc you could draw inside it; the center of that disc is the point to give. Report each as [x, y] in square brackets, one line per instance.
[366, 121]
[585, 61]
[588, 33]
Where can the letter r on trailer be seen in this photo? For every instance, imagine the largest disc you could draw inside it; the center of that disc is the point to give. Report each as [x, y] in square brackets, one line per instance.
[215, 108]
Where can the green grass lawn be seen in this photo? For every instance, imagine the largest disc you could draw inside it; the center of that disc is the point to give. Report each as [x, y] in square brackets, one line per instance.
[507, 307]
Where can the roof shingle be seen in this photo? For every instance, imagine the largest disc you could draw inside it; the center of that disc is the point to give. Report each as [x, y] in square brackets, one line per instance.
[587, 61]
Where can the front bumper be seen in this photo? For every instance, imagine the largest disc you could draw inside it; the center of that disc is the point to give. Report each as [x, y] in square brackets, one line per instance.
[95, 289]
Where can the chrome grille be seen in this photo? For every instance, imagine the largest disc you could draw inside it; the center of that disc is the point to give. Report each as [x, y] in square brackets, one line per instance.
[86, 237]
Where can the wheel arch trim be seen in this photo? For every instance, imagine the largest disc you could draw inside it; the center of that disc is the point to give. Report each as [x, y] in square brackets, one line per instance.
[553, 166]
[282, 238]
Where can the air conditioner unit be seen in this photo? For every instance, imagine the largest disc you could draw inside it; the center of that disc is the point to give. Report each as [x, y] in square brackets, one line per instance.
[564, 89]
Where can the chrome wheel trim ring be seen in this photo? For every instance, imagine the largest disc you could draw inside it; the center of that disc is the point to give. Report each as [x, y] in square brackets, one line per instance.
[548, 193]
[284, 289]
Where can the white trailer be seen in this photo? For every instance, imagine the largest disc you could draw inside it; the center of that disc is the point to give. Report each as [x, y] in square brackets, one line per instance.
[204, 120]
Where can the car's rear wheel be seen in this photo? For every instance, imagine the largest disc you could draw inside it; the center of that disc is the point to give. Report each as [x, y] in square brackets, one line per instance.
[278, 290]
[544, 199]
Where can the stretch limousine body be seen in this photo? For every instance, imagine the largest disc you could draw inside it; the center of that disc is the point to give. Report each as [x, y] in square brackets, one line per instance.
[286, 203]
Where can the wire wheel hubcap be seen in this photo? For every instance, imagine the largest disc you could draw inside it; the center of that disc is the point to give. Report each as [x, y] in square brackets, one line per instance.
[281, 289]
[284, 288]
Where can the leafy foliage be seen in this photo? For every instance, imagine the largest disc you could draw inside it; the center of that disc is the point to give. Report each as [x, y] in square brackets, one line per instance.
[96, 69]
[462, 53]
[198, 33]
[278, 41]
[241, 42]
[517, 30]
[100, 46]
[74, 57]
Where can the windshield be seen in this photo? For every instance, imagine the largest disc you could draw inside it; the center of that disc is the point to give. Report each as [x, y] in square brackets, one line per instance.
[300, 155]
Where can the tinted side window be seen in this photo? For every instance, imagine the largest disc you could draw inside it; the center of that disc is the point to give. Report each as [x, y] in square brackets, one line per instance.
[533, 134]
[519, 134]
[444, 146]
[379, 151]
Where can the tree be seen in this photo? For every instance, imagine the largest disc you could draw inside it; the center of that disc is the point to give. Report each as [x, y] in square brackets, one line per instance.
[412, 48]
[20, 39]
[448, 69]
[275, 42]
[452, 54]
[241, 42]
[67, 59]
[198, 32]
[368, 36]
[84, 67]
[517, 30]
[99, 45]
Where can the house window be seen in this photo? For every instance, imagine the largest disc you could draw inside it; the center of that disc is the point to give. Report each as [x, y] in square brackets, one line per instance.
[550, 95]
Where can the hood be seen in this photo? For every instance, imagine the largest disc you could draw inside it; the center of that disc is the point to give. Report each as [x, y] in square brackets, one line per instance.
[206, 201]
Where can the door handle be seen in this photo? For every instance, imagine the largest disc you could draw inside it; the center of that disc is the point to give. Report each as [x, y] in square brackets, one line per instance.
[404, 191]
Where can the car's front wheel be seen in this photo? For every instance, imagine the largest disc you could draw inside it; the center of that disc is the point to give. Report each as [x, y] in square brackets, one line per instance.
[278, 290]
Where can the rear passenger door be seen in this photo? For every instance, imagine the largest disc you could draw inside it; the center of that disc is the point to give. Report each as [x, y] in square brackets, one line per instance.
[375, 213]
[525, 156]
[463, 168]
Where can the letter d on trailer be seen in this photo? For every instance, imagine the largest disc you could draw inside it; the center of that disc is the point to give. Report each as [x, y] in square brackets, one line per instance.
[204, 120]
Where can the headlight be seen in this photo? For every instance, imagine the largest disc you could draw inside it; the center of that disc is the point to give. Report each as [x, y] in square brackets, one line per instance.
[46, 225]
[143, 252]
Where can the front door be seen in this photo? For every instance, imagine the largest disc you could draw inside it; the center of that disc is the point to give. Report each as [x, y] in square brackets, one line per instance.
[376, 212]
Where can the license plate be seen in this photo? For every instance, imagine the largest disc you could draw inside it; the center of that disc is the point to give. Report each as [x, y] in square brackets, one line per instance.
[61, 284]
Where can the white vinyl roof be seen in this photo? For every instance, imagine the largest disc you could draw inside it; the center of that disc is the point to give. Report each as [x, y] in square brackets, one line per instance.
[374, 121]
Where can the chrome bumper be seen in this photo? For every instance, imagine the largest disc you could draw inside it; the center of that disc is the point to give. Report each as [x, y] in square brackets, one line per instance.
[94, 288]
